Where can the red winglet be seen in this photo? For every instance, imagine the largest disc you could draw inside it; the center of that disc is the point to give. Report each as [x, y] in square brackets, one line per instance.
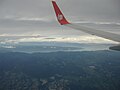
[60, 17]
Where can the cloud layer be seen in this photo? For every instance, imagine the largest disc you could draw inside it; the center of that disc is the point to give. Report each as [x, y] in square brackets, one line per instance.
[32, 17]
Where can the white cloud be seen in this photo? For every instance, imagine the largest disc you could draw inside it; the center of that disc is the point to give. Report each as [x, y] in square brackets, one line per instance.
[71, 39]
[98, 23]
[8, 47]
[18, 18]
[33, 19]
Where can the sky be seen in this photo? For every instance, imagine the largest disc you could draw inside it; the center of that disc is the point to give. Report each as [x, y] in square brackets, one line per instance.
[36, 17]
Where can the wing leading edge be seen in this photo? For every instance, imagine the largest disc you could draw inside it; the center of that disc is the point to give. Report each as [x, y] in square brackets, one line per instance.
[63, 21]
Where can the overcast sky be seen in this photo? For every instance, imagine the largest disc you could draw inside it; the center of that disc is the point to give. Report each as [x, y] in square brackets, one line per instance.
[37, 16]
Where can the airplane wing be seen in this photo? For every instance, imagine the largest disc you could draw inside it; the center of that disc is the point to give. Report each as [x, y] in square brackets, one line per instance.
[63, 21]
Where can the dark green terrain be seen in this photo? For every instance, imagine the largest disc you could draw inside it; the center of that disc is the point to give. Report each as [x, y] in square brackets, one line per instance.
[90, 70]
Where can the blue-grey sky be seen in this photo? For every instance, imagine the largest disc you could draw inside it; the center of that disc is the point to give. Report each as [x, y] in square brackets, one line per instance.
[32, 17]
